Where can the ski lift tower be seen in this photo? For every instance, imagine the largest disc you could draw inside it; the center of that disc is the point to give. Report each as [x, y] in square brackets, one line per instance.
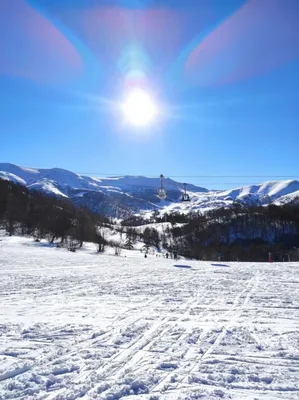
[161, 191]
[185, 196]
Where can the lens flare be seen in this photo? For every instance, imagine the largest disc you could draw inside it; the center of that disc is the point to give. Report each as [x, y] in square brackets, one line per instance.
[139, 108]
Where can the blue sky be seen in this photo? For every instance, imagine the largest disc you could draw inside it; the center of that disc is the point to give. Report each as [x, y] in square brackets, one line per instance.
[225, 75]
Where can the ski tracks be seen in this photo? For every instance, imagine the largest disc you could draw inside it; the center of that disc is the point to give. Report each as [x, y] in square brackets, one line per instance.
[231, 315]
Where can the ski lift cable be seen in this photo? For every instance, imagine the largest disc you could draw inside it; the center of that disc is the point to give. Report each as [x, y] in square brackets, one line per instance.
[110, 174]
[206, 184]
[207, 180]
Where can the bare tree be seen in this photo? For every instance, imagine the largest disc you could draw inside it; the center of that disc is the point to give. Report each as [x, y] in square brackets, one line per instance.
[117, 249]
[100, 241]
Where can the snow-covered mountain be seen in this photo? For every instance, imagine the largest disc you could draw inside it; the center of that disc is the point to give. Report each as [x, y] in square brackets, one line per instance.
[125, 195]
[277, 192]
[117, 196]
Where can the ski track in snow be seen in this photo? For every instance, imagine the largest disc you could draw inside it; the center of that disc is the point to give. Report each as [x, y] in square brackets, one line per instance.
[102, 327]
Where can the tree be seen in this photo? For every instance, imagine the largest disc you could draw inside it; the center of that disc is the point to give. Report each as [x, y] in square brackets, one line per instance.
[132, 234]
[129, 244]
[147, 237]
[117, 249]
[155, 238]
[37, 214]
[84, 228]
[101, 241]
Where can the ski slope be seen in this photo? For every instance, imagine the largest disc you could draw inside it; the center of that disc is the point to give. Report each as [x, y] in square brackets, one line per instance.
[88, 326]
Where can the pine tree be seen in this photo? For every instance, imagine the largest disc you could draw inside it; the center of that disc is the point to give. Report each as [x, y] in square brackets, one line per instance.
[129, 244]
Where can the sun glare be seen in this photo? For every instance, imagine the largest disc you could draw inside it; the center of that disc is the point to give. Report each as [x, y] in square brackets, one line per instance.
[139, 108]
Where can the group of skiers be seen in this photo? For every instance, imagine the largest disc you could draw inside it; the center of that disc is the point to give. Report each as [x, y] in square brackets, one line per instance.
[173, 255]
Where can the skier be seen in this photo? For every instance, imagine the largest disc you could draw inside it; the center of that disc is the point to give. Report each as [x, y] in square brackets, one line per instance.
[270, 258]
[167, 255]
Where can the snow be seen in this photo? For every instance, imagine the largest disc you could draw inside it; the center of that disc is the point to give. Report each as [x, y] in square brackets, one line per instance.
[47, 186]
[89, 326]
[279, 189]
[73, 180]
[127, 181]
[287, 198]
[30, 170]
[278, 192]
[7, 176]
[159, 226]
[138, 193]
[273, 189]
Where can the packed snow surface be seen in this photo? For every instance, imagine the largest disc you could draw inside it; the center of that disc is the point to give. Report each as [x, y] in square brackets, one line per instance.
[88, 326]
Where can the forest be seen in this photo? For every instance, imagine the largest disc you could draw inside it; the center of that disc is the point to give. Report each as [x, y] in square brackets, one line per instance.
[33, 213]
[236, 233]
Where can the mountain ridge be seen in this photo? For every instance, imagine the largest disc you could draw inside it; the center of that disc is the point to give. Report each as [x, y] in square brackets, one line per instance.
[122, 196]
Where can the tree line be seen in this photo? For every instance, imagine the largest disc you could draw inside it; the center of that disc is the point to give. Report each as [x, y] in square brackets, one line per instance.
[36, 214]
[241, 233]
[230, 234]
[237, 233]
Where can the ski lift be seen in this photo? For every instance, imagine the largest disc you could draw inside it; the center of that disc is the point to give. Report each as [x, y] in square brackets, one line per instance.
[161, 191]
[185, 196]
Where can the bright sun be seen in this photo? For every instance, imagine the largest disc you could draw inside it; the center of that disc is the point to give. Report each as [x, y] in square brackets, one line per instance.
[139, 108]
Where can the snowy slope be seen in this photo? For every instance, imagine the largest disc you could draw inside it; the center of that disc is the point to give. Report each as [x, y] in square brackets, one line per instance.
[117, 196]
[272, 190]
[122, 196]
[68, 179]
[8, 176]
[287, 198]
[85, 326]
[278, 192]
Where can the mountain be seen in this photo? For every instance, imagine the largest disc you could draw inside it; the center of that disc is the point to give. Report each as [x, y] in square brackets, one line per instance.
[277, 192]
[117, 197]
[126, 195]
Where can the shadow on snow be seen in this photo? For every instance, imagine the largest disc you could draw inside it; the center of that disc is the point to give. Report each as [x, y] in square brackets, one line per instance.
[220, 265]
[182, 266]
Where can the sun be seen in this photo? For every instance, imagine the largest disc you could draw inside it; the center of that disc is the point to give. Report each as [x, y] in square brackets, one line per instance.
[139, 108]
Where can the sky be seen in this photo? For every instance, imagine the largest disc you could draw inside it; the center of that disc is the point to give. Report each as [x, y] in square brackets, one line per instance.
[224, 76]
